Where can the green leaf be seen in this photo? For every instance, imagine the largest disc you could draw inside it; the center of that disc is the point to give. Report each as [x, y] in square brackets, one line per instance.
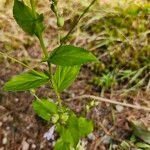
[64, 76]
[141, 132]
[142, 145]
[69, 55]
[76, 128]
[67, 137]
[61, 145]
[26, 19]
[26, 81]
[44, 108]
[125, 145]
[85, 126]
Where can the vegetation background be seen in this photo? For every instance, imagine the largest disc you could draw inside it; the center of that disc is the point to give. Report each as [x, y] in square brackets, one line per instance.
[118, 32]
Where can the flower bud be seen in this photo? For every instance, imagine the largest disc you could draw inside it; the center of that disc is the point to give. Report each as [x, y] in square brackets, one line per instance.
[96, 103]
[55, 1]
[92, 103]
[87, 108]
[64, 117]
[60, 21]
[55, 118]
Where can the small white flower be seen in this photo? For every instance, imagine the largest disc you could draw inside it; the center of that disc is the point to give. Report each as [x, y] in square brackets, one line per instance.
[49, 135]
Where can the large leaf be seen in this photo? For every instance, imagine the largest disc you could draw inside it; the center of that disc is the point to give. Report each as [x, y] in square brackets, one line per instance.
[64, 76]
[26, 19]
[69, 55]
[26, 81]
[44, 108]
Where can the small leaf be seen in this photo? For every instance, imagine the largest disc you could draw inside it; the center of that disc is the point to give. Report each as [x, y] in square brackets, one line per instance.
[74, 128]
[69, 55]
[142, 145]
[85, 126]
[125, 145]
[26, 19]
[64, 76]
[26, 81]
[44, 108]
[141, 132]
[61, 145]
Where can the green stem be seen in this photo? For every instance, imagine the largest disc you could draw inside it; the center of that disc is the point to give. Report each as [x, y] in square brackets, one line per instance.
[49, 65]
[76, 22]
[46, 54]
[40, 37]
[58, 98]
[32, 2]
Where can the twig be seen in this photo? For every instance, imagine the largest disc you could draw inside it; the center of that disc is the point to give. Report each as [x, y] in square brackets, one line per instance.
[76, 22]
[109, 101]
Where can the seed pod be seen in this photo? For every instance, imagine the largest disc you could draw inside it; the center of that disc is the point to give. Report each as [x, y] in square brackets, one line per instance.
[60, 21]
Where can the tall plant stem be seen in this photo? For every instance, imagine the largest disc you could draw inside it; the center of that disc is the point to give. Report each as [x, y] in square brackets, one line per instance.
[76, 22]
[40, 37]
[45, 52]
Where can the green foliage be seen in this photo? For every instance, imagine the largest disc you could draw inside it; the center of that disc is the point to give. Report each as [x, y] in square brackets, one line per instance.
[29, 21]
[44, 108]
[68, 60]
[142, 145]
[138, 140]
[69, 55]
[141, 132]
[70, 127]
[64, 76]
[70, 135]
[122, 44]
[26, 81]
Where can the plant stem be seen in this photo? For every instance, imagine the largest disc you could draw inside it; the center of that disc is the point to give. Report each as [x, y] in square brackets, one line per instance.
[58, 98]
[76, 22]
[32, 2]
[40, 37]
[49, 65]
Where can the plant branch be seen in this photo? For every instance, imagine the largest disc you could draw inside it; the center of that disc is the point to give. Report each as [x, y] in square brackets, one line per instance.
[76, 22]
[110, 101]
[16, 60]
